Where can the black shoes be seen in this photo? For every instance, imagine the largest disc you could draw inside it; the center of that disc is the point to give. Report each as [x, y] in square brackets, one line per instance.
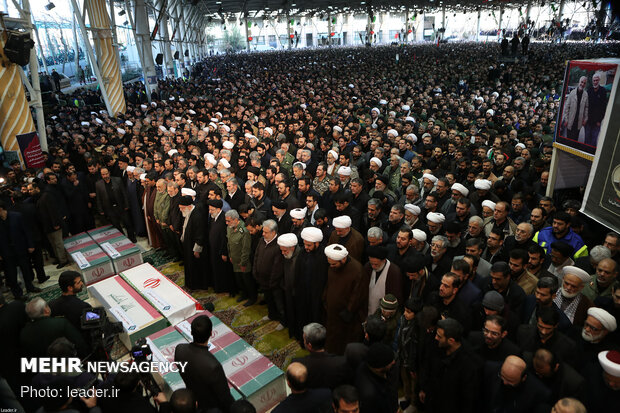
[47, 277]
[62, 265]
[250, 302]
[35, 290]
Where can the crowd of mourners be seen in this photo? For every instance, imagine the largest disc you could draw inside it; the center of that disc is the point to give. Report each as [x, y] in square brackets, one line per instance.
[388, 205]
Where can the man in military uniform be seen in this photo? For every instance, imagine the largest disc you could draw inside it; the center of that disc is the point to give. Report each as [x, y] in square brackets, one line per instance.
[239, 247]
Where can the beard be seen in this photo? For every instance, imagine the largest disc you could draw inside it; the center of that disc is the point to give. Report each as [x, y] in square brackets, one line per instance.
[566, 294]
[589, 337]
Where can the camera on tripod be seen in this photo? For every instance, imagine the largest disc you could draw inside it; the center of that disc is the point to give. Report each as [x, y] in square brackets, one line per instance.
[141, 353]
[102, 331]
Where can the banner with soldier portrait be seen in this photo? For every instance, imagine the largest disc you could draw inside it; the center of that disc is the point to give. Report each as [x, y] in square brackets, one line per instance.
[584, 105]
[602, 196]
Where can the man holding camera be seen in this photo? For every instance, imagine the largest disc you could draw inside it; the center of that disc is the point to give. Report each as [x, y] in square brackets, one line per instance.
[203, 374]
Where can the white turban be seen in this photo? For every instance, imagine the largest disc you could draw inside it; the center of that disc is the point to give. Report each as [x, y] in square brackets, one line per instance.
[303, 106]
[414, 209]
[226, 128]
[343, 221]
[142, 177]
[128, 123]
[143, 107]
[219, 114]
[336, 252]
[172, 152]
[374, 110]
[333, 153]
[344, 171]
[383, 102]
[188, 191]
[162, 128]
[228, 145]
[154, 104]
[173, 129]
[377, 161]
[461, 188]
[298, 213]
[269, 131]
[85, 124]
[392, 132]
[607, 320]
[488, 204]
[210, 157]
[410, 119]
[419, 235]
[351, 85]
[225, 163]
[430, 177]
[413, 137]
[131, 168]
[435, 217]
[171, 98]
[338, 129]
[610, 360]
[191, 112]
[121, 131]
[213, 124]
[520, 145]
[181, 100]
[99, 121]
[491, 112]
[405, 108]
[287, 240]
[578, 272]
[312, 234]
[483, 184]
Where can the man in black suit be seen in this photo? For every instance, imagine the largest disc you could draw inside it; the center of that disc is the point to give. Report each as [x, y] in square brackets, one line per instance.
[15, 245]
[112, 202]
[203, 374]
[302, 398]
[560, 378]
[509, 388]
[12, 320]
[68, 305]
[193, 238]
[545, 334]
[324, 369]
[235, 197]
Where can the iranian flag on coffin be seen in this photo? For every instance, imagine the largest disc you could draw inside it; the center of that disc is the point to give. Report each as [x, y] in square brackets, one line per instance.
[123, 253]
[104, 233]
[163, 344]
[246, 369]
[126, 305]
[167, 297]
[94, 264]
[74, 243]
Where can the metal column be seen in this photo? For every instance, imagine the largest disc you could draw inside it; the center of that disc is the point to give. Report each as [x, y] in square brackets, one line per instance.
[501, 16]
[165, 38]
[247, 32]
[109, 75]
[143, 43]
[478, 25]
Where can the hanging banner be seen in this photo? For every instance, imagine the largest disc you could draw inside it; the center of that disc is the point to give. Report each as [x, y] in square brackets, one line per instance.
[602, 196]
[585, 95]
[31, 150]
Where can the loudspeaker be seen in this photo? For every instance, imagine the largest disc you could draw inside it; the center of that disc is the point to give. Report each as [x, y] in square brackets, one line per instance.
[159, 59]
[186, 53]
[17, 48]
[176, 55]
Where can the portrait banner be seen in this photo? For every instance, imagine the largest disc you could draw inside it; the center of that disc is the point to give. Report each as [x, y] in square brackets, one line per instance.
[602, 196]
[584, 105]
[31, 150]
